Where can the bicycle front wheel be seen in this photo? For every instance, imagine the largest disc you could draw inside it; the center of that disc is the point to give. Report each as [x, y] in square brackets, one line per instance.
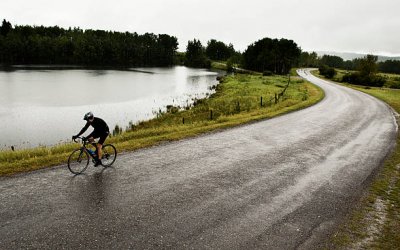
[109, 155]
[78, 161]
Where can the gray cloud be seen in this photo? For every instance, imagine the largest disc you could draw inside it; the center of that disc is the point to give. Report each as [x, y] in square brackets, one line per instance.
[368, 26]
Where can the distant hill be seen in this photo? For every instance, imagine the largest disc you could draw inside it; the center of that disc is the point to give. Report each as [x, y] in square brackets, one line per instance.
[351, 56]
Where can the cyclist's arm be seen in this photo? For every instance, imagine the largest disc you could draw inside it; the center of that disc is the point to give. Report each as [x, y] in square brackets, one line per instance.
[84, 129]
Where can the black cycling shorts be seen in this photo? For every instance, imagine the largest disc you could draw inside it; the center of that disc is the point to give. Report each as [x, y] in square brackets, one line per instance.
[102, 135]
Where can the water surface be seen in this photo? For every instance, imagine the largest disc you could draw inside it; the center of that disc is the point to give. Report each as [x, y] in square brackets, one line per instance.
[46, 107]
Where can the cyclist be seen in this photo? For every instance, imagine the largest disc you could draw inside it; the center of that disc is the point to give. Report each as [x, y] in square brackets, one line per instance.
[100, 131]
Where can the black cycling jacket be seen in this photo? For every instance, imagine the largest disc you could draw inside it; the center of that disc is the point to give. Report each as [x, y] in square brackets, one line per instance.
[99, 125]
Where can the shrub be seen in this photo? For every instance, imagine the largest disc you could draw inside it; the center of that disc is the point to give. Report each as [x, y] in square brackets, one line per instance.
[393, 84]
[367, 80]
[117, 130]
[327, 71]
[229, 65]
[172, 109]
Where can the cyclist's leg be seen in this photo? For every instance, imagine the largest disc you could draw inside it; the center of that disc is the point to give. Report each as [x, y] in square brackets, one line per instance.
[91, 137]
[100, 145]
[99, 151]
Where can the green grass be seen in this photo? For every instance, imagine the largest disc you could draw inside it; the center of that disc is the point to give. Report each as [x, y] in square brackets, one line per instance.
[218, 65]
[390, 96]
[237, 100]
[392, 80]
[375, 223]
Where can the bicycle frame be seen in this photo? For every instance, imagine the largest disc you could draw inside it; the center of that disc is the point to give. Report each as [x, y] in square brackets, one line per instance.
[84, 144]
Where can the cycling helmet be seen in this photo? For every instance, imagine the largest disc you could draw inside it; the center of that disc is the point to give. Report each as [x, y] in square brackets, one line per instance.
[88, 116]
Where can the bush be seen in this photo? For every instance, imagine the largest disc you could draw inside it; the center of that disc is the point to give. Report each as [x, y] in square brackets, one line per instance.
[366, 80]
[117, 130]
[172, 109]
[327, 71]
[229, 65]
[393, 84]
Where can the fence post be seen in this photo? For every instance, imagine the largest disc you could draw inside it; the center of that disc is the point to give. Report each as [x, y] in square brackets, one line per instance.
[276, 99]
[261, 102]
[211, 114]
[183, 120]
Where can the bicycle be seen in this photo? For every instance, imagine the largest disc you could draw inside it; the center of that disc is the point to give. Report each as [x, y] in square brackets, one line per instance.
[78, 161]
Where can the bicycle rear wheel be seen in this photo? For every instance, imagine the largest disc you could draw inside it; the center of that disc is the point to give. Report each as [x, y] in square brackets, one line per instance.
[78, 161]
[109, 155]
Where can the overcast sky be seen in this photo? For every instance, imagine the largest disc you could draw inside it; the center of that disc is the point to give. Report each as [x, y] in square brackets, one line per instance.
[365, 26]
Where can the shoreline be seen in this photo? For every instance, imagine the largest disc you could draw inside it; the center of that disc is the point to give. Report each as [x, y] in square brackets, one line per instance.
[169, 126]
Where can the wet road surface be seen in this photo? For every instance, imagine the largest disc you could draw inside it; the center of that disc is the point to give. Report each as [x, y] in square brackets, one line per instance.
[282, 183]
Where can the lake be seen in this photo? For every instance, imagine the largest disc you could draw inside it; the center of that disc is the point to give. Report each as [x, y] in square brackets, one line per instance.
[46, 106]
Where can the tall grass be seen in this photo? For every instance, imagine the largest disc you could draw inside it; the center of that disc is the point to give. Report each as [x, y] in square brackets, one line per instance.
[237, 100]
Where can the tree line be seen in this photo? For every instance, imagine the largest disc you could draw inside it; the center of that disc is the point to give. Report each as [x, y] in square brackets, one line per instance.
[266, 55]
[198, 55]
[312, 60]
[55, 45]
[74, 46]
[24, 44]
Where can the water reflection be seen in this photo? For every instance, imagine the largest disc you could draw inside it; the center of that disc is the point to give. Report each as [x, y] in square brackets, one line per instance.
[194, 80]
[89, 192]
[45, 107]
[98, 72]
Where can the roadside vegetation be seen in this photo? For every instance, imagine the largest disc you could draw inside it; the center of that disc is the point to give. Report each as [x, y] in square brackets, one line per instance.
[312, 59]
[238, 99]
[365, 74]
[391, 80]
[375, 223]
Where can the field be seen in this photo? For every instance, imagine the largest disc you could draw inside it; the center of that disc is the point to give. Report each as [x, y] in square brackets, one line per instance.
[238, 99]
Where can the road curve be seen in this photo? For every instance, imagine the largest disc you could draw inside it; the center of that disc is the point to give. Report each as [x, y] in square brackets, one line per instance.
[282, 183]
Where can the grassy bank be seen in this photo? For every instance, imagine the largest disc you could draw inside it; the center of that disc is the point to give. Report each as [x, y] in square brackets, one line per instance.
[237, 100]
[375, 223]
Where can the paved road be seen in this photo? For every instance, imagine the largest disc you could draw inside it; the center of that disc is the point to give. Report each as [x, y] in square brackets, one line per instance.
[282, 183]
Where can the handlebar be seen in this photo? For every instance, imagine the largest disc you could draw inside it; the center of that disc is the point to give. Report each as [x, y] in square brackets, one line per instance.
[84, 139]
[79, 137]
